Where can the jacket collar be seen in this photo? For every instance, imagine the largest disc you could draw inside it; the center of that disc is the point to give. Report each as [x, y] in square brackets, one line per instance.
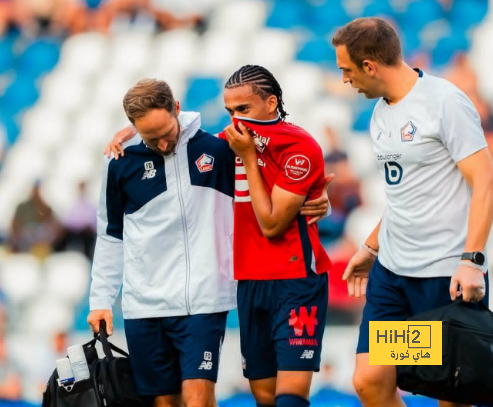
[190, 123]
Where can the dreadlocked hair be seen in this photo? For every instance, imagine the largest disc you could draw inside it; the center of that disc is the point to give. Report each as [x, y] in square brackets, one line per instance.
[262, 82]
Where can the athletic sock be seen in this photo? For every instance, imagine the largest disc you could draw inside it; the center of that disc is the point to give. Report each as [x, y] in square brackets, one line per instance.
[291, 400]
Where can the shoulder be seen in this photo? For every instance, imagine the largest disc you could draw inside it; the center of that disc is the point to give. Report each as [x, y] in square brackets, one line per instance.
[212, 138]
[218, 140]
[131, 147]
[210, 142]
[300, 140]
[439, 90]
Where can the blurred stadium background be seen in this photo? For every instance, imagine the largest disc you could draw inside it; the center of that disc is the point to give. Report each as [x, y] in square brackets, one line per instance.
[64, 68]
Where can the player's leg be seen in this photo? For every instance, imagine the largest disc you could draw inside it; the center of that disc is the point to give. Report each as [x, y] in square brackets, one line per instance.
[385, 301]
[199, 339]
[264, 391]
[257, 349]
[293, 383]
[299, 323]
[154, 361]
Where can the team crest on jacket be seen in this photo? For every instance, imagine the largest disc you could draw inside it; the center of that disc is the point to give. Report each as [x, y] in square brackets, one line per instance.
[205, 163]
[408, 132]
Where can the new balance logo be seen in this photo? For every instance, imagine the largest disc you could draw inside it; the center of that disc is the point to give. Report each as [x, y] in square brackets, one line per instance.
[298, 322]
[149, 172]
[206, 364]
[307, 354]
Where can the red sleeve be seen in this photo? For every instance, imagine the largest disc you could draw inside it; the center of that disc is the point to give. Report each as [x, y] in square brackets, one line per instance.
[222, 135]
[302, 168]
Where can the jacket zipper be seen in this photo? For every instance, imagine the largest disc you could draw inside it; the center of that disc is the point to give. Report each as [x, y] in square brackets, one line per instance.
[185, 235]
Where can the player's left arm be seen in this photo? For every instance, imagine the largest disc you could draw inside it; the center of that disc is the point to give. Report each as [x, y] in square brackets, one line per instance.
[274, 213]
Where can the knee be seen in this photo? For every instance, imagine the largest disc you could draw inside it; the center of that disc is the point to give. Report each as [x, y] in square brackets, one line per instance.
[264, 397]
[368, 384]
[200, 401]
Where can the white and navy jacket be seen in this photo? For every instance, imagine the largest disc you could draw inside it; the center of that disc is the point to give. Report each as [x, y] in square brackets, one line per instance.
[165, 228]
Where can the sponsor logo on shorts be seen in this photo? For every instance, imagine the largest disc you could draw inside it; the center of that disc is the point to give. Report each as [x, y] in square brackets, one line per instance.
[307, 354]
[206, 363]
[243, 362]
[302, 319]
[303, 341]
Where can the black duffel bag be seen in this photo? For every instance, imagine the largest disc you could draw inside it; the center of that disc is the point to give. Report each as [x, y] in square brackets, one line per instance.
[466, 373]
[114, 376]
[84, 393]
[111, 382]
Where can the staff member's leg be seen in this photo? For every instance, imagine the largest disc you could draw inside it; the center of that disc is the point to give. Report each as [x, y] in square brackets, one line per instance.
[199, 339]
[385, 301]
[299, 324]
[154, 361]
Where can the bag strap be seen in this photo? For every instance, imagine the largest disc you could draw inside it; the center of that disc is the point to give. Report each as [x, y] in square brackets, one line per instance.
[91, 343]
[107, 346]
[460, 301]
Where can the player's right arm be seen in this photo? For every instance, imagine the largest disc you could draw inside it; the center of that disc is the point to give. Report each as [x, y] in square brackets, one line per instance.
[358, 268]
[115, 145]
[107, 268]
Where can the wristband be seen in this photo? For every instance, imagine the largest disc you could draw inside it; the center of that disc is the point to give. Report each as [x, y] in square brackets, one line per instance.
[370, 250]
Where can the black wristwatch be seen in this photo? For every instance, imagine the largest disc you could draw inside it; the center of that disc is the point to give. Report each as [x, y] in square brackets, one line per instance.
[475, 257]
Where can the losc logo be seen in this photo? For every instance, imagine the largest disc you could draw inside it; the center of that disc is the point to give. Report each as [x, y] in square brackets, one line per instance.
[205, 163]
[297, 167]
[408, 132]
[298, 322]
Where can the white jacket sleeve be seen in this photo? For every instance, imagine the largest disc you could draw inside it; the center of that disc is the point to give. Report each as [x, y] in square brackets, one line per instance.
[107, 268]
